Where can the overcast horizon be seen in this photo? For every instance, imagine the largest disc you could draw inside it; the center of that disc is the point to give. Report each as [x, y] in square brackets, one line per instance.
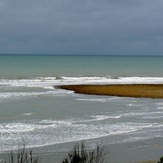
[81, 27]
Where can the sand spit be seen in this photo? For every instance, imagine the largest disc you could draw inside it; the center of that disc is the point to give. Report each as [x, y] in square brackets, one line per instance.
[126, 90]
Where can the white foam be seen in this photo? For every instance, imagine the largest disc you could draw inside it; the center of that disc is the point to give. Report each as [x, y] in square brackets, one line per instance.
[49, 131]
[159, 103]
[104, 117]
[130, 105]
[153, 117]
[56, 122]
[26, 114]
[119, 80]
[78, 125]
[6, 96]
[160, 108]
[94, 118]
[92, 100]
[142, 114]
[15, 128]
[108, 80]
[49, 82]
[22, 127]
[98, 99]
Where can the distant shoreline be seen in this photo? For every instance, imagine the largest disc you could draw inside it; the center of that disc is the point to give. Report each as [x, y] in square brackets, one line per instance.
[121, 90]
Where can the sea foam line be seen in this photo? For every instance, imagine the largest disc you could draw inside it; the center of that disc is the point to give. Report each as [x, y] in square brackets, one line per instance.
[98, 99]
[49, 82]
[4, 96]
[65, 131]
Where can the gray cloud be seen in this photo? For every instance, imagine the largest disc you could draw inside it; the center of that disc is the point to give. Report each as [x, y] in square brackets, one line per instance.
[81, 27]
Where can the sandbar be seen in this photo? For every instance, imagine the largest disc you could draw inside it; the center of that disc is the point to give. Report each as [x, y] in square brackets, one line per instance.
[121, 90]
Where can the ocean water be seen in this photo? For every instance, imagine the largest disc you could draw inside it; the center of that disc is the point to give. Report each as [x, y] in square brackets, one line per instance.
[34, 112]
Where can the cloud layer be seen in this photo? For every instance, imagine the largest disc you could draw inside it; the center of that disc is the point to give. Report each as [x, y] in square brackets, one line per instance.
[81, 27]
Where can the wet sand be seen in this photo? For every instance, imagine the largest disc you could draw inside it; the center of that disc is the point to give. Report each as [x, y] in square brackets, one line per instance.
[122, 90]
[145, 151]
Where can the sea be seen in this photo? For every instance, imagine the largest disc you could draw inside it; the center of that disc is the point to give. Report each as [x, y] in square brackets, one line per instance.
[50, 120]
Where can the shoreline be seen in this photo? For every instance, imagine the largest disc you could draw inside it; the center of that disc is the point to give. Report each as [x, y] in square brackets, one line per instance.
[143, 151]
[121, 90]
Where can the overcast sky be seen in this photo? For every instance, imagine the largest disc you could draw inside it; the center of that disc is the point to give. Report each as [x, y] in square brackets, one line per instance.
[113, 27]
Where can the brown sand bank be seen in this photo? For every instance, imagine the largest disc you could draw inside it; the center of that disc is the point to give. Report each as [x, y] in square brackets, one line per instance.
[128, 90]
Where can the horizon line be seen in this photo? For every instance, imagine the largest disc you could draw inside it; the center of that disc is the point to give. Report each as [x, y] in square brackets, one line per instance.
[36, 54]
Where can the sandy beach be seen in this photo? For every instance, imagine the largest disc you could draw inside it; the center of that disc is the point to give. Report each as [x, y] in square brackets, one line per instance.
[127, 90]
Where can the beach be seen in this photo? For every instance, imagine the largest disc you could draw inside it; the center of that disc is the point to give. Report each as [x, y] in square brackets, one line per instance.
[127, 90]
[51, 120]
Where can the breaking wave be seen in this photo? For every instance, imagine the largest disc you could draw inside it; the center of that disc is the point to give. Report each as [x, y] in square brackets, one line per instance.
[49, 82]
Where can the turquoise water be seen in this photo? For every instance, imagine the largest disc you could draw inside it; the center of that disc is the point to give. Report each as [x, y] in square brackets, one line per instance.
[28, 66]
[50, 119]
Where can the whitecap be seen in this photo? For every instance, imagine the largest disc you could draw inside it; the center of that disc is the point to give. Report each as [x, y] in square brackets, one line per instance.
[159, 103]
[130, 105]
[92, 100]
[9, 96]
[48, 132]
[49, 82]
[98, 99]
[160, 108]
[15, 128]
[26, 114]
[56, 122]
[104, 117]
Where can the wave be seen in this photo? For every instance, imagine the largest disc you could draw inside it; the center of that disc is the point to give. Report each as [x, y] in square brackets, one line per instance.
[95, 118]
[22, 127]
[12, 128]
[160, 108]
[144, 115]
[112, 80]
[104, 117]
[159, 103]
[98, 99]
[27, 114]
[43, 85]
[47, 132]
[9, 96]
[49, 82]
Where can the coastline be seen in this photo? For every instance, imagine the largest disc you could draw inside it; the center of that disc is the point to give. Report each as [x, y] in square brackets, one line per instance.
[121, 90]
[143, 151]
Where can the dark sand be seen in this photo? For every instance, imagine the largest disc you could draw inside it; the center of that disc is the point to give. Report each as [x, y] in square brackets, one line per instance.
[131, 152]
[127, 90]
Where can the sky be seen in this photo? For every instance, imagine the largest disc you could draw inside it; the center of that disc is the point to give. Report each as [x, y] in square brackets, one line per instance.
[100, 27]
